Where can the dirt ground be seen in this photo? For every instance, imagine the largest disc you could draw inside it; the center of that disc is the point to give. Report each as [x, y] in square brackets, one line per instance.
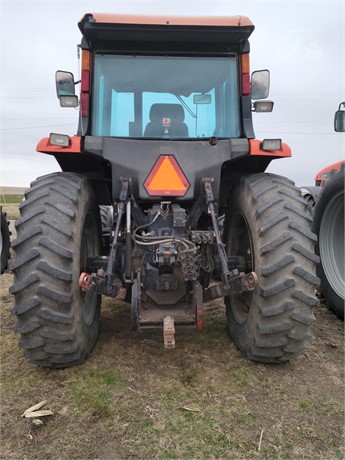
[133, 399]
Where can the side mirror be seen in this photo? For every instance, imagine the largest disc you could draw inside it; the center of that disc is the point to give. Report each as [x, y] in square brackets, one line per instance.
[339, 119]
[65, 89]
[260, 84]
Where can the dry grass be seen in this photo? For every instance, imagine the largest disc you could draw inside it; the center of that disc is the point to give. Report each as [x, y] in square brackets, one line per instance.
[133, 399]
[12, 210]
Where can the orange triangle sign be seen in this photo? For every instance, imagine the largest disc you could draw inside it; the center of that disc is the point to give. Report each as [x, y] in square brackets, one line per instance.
[166, 178]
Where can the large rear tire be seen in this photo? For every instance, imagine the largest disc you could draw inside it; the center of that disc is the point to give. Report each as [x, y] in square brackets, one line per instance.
[58, 229]
[5, 241]
[329, 226]
[268, 224]
[106, 214]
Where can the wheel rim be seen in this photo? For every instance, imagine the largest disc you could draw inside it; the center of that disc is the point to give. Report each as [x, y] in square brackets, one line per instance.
[89, 248]
[240, 244]
[331, 243]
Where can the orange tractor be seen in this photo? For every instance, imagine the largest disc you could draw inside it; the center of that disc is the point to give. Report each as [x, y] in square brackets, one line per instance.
[326, 203]
[165, 150]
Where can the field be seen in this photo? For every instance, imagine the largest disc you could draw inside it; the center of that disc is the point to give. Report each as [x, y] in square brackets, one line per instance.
[10, 203]
[135, 400]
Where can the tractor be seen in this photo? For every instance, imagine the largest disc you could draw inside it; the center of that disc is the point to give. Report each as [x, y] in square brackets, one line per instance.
[165, 151]
[326, 204]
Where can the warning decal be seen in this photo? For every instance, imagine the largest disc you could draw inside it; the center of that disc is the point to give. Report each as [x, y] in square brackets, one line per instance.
[166, 178]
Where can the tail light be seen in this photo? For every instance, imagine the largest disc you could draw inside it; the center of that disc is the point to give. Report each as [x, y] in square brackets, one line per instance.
[84, 104]
[245, 74]
[85, 83]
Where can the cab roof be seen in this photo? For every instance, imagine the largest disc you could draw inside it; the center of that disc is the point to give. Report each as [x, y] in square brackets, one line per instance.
[227, 21]
[106, 29]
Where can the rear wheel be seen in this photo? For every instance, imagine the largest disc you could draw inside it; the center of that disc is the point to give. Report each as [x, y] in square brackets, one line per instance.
[58, 229]
[5, 241]
[329, 226]
[106, 214]
[267, 224]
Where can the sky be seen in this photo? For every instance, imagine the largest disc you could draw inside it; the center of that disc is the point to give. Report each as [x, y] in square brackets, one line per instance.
[302, 43]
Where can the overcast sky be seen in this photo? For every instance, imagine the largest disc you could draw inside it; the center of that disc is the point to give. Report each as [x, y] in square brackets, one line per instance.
[301, 42]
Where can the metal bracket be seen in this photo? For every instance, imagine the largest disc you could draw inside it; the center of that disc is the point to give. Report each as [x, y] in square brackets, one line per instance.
[238, 283]
[97, 282]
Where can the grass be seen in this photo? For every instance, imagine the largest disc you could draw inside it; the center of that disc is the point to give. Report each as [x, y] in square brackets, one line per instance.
[12, 211]
[92, 394]
[133, 399]
[11, 199]
[10, 205]
[305, 405]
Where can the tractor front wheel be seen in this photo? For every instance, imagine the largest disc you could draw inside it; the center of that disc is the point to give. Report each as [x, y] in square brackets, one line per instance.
[58, 229]
[267, 223]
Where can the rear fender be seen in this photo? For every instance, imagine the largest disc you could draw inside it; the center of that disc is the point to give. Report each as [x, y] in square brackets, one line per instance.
[74, 158]
[44, 146]
[255, 149]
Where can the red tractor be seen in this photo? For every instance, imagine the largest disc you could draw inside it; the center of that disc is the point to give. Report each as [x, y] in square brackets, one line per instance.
[326, 202]
[166, 144]
[326, 173]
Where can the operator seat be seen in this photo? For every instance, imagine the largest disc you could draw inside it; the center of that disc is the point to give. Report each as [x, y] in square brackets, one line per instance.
[166, 120]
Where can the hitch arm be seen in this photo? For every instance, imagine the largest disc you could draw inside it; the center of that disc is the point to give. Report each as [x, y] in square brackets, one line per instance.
[121, 207]
[207, 183]
[233, 281]
[105, 281]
